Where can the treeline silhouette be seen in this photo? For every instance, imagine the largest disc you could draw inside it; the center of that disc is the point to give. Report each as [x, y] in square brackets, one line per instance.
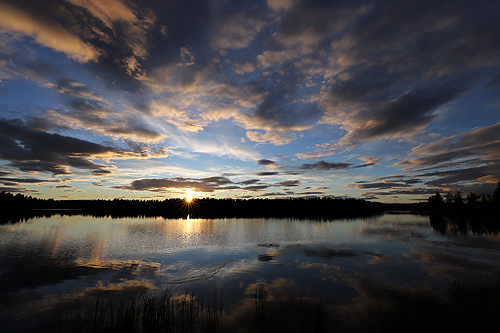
[459, 200]
[19, 207]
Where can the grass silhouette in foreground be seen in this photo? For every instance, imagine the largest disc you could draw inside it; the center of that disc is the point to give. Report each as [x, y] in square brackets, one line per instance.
[193, 313]
[466, 307]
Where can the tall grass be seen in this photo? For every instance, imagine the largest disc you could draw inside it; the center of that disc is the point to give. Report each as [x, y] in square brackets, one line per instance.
[190, 313]
[166, 313]
[465, 307]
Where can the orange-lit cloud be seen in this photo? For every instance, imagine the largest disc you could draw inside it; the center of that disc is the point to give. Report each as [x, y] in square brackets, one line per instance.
[47, 33]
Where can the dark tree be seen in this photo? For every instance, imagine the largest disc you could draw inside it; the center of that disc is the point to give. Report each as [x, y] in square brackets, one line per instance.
[435, 200]
[496, 195]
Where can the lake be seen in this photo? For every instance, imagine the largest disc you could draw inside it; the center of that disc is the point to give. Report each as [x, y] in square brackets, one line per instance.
[51, 266]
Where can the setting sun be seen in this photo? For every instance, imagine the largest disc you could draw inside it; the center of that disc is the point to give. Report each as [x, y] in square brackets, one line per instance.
[189, 199]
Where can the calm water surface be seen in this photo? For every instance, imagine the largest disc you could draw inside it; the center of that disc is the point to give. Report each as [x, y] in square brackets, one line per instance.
[62, 262]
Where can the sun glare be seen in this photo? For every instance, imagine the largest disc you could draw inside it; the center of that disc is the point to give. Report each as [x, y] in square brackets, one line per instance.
[189, 199]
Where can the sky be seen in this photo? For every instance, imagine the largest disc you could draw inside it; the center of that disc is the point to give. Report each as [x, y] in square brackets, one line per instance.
[387, 101]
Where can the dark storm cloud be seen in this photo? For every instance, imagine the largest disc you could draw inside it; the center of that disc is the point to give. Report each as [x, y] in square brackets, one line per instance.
[325, 166]
[33, 150]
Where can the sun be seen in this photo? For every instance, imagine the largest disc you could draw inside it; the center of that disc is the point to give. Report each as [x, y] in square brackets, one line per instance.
[188, 199]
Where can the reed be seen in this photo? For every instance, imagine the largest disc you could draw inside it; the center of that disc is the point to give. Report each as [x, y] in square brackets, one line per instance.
[465, 307]
[166, 313]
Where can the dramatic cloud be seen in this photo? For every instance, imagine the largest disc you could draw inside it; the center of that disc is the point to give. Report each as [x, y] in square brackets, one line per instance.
[168, 93]
[482, 143]
[36, 151]
[210, 184]
[46, 32]
[32, 150]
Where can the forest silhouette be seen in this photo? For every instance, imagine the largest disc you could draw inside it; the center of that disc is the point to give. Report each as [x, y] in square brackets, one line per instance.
[19, 207]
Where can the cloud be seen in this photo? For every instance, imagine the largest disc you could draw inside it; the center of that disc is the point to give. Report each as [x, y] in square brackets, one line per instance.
[383, 184]
[250, 181]
[161, 79]
[287, 183]
[102, 172]
[482, 143]
[10, 180]
[61, 186]
[33, 150]
[234, 30]
[187, 57]
[209, 184]
[370, 160]
[101, 122]
[325, 166]
[37, 151]
[256, 188]
[14, 65]
[281, 5]
[78, 90]
[466, 178]
[464, 161]
[118, 24]
[267, 173]
[46, 32]
[268, 163]
[387, 83]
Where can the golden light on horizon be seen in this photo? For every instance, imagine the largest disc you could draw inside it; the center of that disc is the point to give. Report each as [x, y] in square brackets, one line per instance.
[188, 199]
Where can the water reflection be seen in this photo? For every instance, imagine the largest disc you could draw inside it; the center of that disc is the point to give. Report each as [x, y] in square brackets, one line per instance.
[70, 260]
[476, 226]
